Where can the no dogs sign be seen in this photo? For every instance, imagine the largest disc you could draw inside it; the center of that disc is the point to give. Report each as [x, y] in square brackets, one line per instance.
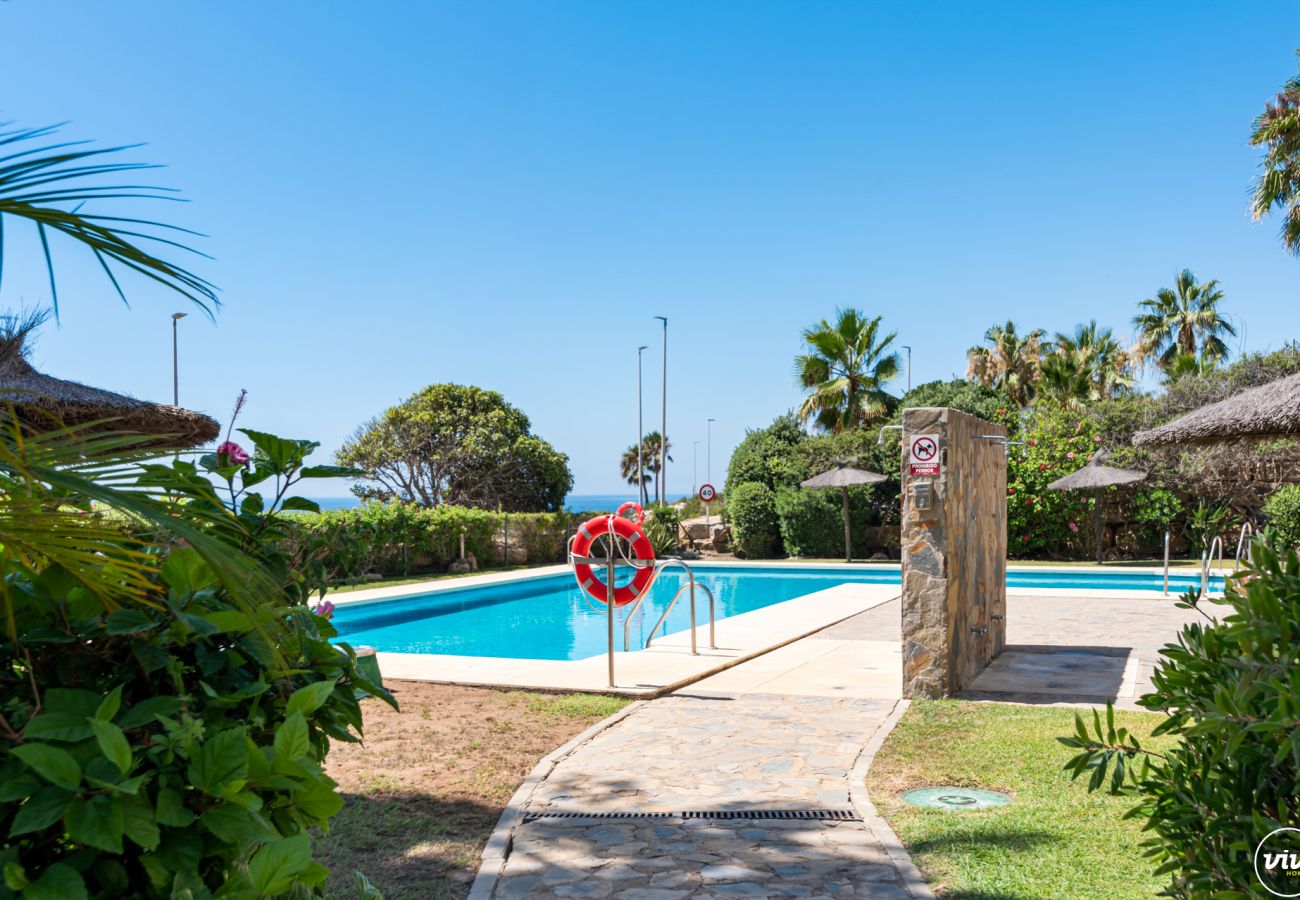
[923, 454]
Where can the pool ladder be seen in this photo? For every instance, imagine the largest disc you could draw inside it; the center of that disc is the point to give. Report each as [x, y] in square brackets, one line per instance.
[690, 584]
[611, 563]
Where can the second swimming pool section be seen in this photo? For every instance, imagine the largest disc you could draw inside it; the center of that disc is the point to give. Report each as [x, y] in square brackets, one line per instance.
[549, 617]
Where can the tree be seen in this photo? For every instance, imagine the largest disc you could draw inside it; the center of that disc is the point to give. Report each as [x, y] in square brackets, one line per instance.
[845, 371]
[1185, 320]
[1088, 364]
[1010, 362]
[452, 443]
[628, 465]
[650, 456]
[1277, 129]
[765, 456]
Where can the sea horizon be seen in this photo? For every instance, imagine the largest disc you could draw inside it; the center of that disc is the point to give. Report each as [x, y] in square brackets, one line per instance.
[572, 503]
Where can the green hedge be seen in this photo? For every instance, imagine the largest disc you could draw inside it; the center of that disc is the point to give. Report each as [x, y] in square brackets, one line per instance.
[812, 522]
[402, 538]
[1282, 511]
[754, 525]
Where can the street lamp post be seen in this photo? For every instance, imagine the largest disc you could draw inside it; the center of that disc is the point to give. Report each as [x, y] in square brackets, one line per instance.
[708, 453]
[176, 372]
[640, 432]
[695, 468]
[909, 366]
[663, 423]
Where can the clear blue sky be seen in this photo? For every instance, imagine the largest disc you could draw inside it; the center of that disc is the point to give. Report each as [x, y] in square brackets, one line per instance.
[503, 194]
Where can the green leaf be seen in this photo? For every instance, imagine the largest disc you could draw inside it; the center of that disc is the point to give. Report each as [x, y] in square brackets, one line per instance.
[59, 882]
[310, 698]
[54, 765]
[97, 822]
[129, 621]
[276, 865]
[171, 809]
[41, 810]
[320, 801]
[291, 737]
[365, 890]
[300, 503]
[19, 786]
[139, 823]
[226, 620]
[330, 472]
[222, 761]
[111, 704]
[58, 726]
[72, 700]
[113, 744]
[148, 711]
[15, 877]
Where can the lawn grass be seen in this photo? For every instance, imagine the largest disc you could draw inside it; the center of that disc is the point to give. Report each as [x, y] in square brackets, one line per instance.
[1053, 840]
[425, 790]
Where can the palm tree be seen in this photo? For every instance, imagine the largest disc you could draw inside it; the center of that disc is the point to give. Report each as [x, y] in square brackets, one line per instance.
[845, 371]
[1010, 362]
[1087, 364]
[1185, 320]
[36, 184]
[628, 469]
[650, 454]
[1278, 129]
[1184, 364]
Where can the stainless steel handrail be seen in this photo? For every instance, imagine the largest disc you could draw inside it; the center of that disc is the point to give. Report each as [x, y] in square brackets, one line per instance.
[636, 604]
[1166, 563]
[1246, 528]
[713, 644]
[1207, 560]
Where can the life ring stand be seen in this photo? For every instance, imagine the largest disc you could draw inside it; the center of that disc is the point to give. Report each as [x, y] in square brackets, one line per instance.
[643, 555]
[631, 506]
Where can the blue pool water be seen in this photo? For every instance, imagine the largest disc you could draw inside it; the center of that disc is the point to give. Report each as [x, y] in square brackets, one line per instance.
[549, 618]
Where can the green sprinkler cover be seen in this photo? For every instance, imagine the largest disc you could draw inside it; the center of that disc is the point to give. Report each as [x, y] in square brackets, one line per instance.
[955, 798]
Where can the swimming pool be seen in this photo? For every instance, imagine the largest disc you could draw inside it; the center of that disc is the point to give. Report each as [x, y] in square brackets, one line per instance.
[548, 617]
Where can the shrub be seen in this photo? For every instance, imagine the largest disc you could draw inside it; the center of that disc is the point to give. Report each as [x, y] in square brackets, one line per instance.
[767, 456]
[812, 521]
[754, 525]
[1155, 511]
[1040, 521]
[663, 526]
[168, 699]
[1282, 510]
[1230, 694]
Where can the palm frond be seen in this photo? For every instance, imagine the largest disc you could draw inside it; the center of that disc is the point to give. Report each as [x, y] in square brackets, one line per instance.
[26, 177]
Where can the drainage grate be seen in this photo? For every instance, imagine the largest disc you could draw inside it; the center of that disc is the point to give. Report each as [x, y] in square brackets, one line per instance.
[833, 815]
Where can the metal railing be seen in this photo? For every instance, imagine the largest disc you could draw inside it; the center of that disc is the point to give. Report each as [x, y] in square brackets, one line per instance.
[1207, 560]
[1166, 563]
[1243, 545]
[691, 583]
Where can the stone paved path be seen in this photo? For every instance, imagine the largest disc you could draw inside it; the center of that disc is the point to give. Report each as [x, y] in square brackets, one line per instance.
[683, 752]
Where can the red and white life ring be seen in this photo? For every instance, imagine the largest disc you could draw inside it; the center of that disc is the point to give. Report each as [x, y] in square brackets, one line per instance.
[631, 506]
[642, 551]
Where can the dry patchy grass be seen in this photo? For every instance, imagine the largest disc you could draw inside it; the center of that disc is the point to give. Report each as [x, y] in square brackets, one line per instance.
[425, 790]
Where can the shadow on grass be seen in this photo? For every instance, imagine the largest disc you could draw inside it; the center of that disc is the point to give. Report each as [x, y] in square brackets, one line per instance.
[407, 844]
[1006, 839]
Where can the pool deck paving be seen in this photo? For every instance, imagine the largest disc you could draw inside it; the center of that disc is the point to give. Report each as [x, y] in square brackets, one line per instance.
[793, 729]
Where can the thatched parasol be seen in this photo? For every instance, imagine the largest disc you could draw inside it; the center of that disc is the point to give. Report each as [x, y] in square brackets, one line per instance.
[47, 403]
[844, 476]
[1268, 411]
[1094, 476]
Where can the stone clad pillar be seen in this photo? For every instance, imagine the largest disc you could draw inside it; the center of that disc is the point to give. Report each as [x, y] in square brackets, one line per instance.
[954, 549]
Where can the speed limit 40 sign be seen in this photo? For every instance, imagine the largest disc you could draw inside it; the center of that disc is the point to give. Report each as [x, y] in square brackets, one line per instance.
[923, 454]
[708, 492]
